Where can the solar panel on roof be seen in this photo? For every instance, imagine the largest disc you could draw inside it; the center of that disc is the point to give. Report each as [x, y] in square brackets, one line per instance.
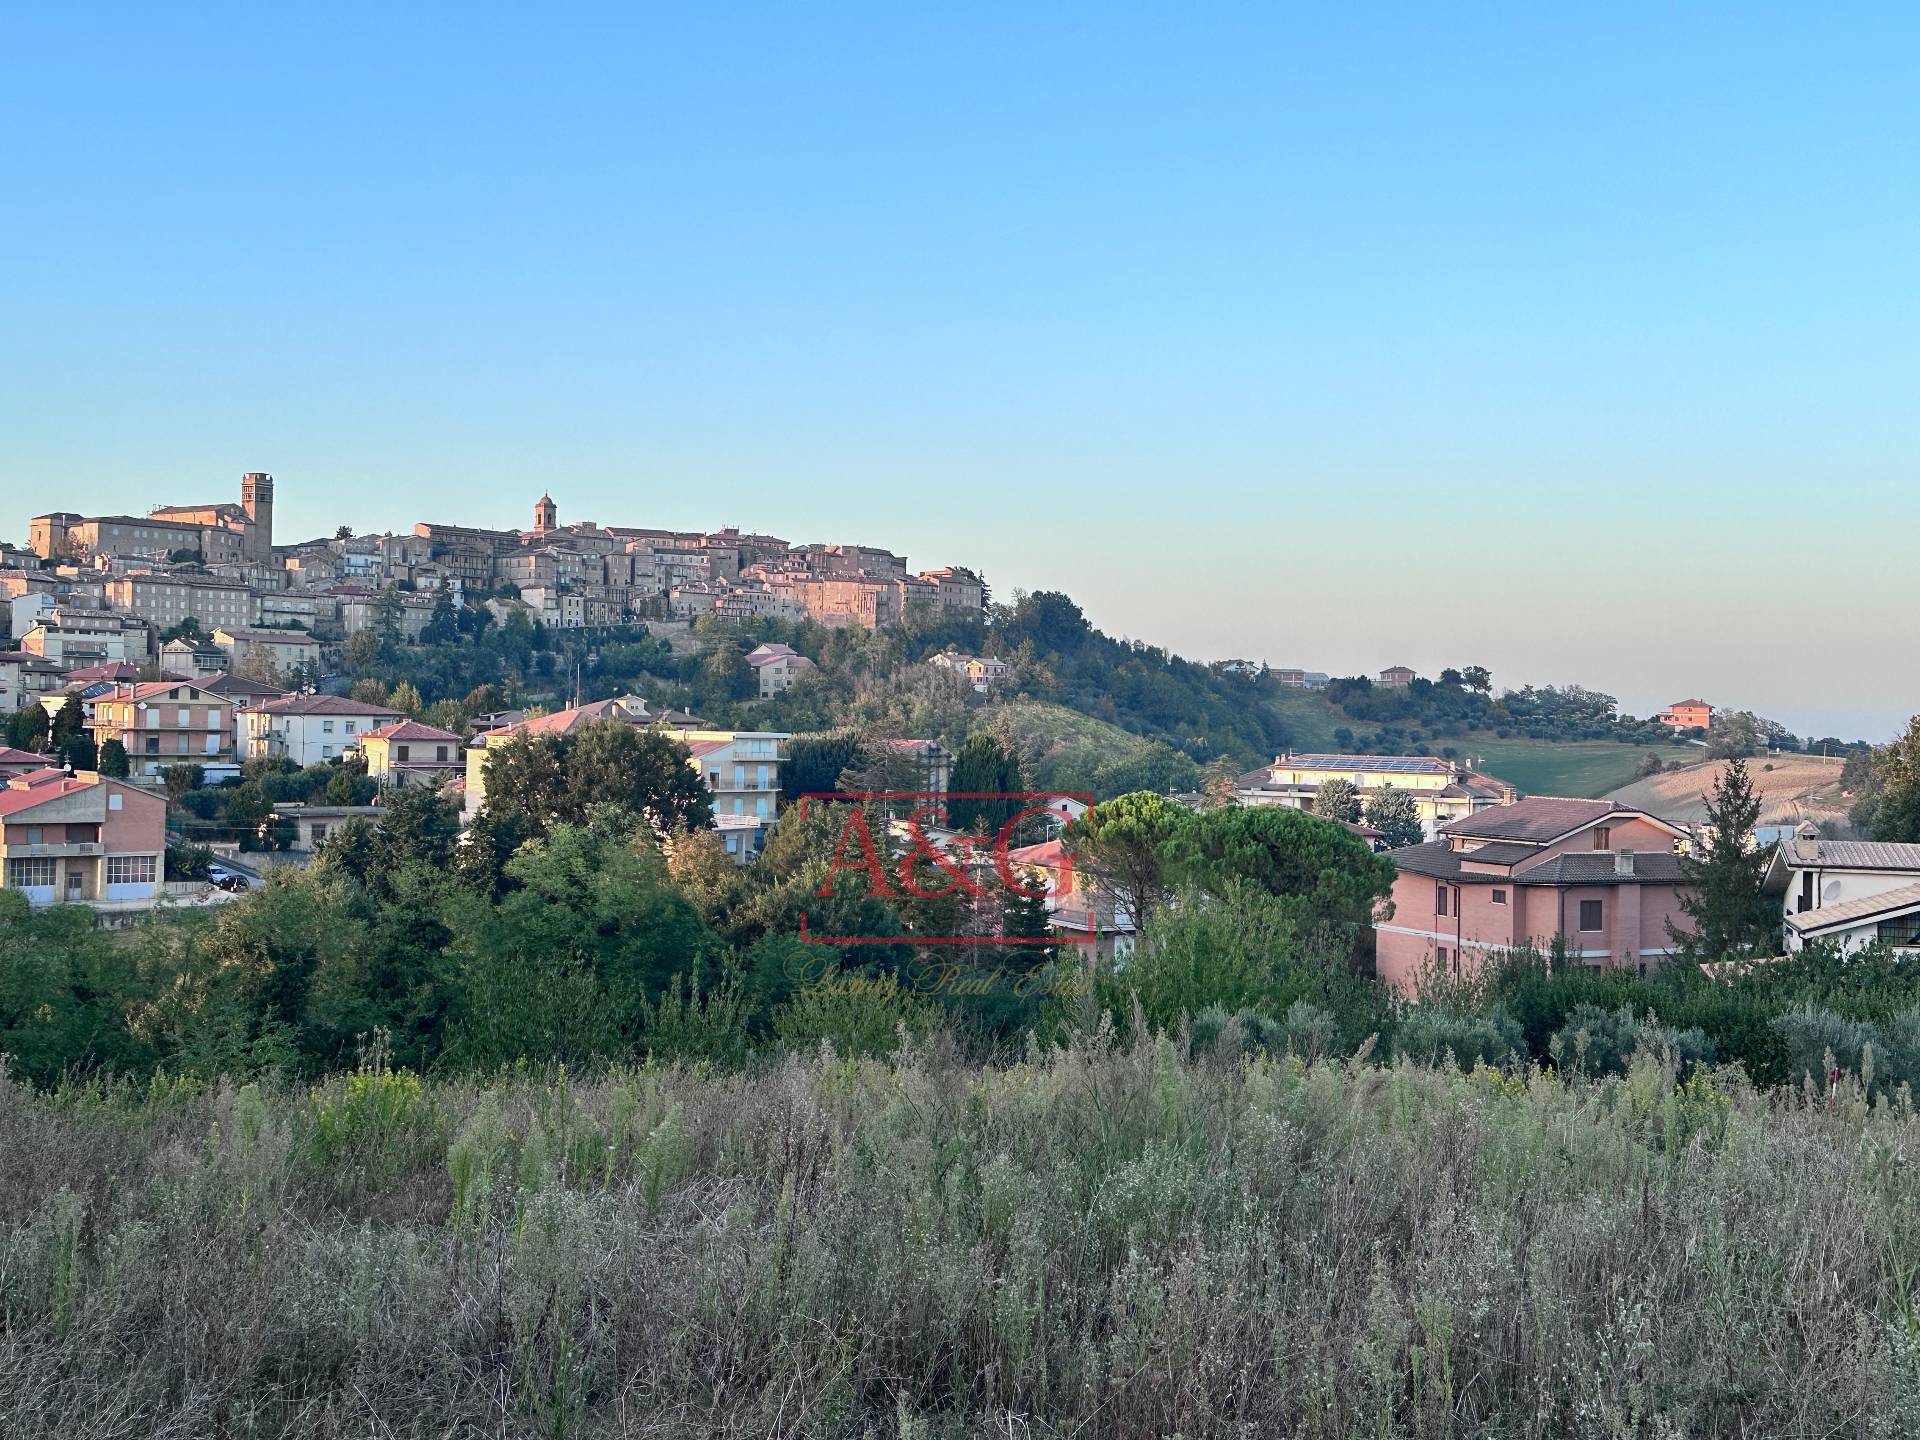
[1385, 764]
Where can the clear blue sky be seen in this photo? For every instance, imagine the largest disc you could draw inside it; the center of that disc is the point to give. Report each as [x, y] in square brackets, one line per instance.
[1577, 344]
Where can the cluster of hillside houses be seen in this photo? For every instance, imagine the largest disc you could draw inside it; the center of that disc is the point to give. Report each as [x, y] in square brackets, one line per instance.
[87, 601]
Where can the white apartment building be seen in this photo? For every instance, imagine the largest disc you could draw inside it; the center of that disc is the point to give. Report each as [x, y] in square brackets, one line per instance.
[86, 637]
[311, 729]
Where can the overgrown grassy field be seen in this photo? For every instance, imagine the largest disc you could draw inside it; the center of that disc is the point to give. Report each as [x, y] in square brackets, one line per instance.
[1110, 1239]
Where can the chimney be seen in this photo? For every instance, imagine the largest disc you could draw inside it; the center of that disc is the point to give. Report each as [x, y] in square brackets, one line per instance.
[1623, 862]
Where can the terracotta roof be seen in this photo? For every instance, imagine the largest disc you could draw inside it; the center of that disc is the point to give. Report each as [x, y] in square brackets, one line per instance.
[411, 730]
[697, 748]
[770, 652]
[116, 670]
[1845, 912]
[11, 756]
[238, 687]
[1587, 867]
[1051, 853]
[1541, 818]
[564, 722]
[1474, 785]
[1501, 852]
[1596, 867]
[24, 792]
[324, 705]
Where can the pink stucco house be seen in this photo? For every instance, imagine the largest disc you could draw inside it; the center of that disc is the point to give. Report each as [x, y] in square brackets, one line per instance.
[1602, 877]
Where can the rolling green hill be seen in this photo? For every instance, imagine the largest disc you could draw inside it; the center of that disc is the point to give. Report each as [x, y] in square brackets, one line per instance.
[1537, 767]
[1073, 750]
[1581, 768]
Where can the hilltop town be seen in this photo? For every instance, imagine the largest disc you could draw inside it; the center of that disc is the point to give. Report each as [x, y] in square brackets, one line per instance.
[106, 589]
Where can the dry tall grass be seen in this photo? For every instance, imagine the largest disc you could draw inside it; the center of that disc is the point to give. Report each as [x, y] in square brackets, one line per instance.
[1107, 1240]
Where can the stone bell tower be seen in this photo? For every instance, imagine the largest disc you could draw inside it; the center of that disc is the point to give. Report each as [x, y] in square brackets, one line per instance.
[256, 498]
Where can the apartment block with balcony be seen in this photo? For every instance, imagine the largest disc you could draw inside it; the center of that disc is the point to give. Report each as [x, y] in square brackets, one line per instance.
[81, 839]
[311, 729]
[283, 649]
[74, 637]
[741, 770]
[165, 722]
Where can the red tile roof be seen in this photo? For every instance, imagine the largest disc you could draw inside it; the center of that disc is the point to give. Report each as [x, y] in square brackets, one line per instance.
[1540, 818]
[24, 792]
[115, 670]
[411, 730]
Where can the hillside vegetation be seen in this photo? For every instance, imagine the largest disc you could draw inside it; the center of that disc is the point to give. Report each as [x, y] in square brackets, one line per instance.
[1068, 750]
[1108, 1239]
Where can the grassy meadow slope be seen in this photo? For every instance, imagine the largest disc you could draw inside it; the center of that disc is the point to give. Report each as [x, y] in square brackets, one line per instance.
[1580, 768]
[1791, 788]
[1080, 751]
[1069, 750]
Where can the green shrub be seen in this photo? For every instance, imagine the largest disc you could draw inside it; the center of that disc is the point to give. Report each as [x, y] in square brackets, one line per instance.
[1430, 1034]
[859, 1014]
[1601, 1042]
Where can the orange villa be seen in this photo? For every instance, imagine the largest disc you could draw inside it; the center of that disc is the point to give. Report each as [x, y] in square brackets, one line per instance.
[1687, 715]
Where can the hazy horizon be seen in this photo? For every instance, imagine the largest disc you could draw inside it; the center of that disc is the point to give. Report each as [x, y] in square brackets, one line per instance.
[1577, 345]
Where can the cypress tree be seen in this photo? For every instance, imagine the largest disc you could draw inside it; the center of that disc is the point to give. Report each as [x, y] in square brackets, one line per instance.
[1732, 915]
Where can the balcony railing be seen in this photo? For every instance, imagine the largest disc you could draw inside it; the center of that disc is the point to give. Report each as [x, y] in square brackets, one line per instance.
[77, 848]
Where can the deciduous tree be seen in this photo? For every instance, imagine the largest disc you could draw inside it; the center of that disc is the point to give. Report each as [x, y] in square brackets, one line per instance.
[1392, 812]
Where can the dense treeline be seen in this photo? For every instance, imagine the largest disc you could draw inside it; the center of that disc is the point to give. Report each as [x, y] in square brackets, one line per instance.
[1462, 701]
[595, 924]
[1885, 783]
